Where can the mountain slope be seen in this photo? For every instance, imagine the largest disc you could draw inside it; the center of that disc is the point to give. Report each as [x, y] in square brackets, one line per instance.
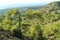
[54, 6]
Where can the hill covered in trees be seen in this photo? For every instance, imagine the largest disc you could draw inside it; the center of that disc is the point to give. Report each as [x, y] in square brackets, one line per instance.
[33, 24]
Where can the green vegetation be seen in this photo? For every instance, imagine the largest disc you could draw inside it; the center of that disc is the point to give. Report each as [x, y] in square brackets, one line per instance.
[38, 24]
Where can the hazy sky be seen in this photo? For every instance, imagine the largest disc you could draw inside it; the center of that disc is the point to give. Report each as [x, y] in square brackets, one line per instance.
[6, 3]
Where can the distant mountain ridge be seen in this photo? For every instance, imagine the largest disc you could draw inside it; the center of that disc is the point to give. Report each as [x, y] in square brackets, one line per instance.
[23, 9]
[49, 8]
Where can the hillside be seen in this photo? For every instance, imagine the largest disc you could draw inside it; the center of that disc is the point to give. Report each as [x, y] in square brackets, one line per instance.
[51, 7]
[37, 23]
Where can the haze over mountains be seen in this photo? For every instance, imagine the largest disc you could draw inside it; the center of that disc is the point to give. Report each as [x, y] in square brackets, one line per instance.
[21, 7]
[43, 7]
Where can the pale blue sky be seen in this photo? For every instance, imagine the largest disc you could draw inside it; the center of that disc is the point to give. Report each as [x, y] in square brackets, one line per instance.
[10, 3]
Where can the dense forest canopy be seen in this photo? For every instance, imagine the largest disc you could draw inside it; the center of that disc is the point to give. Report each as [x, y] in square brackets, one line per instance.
[33, 24]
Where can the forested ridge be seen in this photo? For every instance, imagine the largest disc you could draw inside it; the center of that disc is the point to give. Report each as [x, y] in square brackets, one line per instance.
[37, 24]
